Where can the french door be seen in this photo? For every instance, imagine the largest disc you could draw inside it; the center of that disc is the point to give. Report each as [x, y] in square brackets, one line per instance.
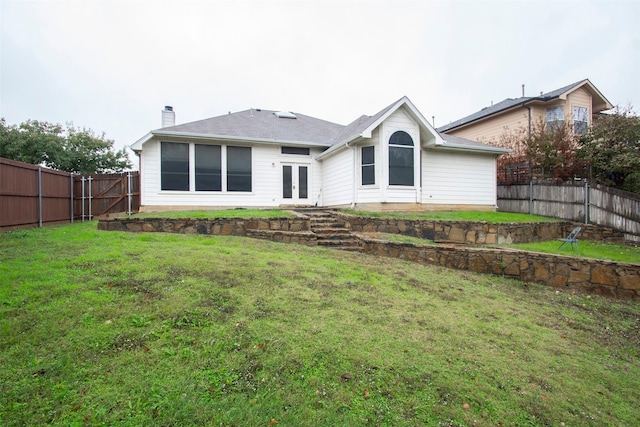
[295, 184]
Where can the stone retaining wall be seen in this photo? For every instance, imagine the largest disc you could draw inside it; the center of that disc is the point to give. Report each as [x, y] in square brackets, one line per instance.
[618, 280]
[479, 233]
[612, 279]
[217, 226]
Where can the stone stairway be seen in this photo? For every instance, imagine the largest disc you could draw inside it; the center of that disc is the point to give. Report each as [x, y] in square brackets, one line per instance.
[330, 231]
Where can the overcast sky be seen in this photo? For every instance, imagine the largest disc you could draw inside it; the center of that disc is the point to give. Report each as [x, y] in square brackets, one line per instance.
[113, 65]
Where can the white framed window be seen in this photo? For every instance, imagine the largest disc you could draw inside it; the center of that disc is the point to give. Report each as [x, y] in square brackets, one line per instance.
[368, 160]
[555, 117]
[580, 120]
[401, 159]
[215, 167]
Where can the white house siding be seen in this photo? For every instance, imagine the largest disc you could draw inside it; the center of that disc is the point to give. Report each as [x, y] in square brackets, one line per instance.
[266, 181]
[458, 178]
[337, 178]
[399, 121]
[370, 193]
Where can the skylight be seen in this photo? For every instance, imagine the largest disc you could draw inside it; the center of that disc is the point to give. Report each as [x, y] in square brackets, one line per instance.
[285, 115]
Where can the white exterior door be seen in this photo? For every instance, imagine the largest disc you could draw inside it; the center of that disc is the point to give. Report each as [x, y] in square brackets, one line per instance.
[295, 184]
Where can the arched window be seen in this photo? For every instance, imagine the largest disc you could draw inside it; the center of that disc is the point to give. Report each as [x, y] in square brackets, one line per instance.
[400, 159]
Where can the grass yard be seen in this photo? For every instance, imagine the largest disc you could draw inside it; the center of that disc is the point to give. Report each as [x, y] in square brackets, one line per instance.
[472, 216]
[586, 249]
[224, 213]
[106, 328]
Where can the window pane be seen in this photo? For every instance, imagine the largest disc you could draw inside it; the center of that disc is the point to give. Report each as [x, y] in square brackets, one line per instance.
[238, 169]
[174, 166]
[295, 150]
[368, 175]
[286, 182]
[368, 154]
[400, 166]
[368, 166]
[302, 178]
[208, 168]
[401, 138]
[580, 121]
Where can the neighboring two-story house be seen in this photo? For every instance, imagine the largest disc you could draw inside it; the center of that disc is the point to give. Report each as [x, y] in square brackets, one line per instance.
[575, 104]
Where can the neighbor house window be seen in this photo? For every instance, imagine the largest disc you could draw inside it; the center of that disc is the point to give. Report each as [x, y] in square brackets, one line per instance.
[555, 117]
[400, 159]
[238, 169]
[174, 166]
[368, 166]
[208, 167]
[580, 120]
[301, 151]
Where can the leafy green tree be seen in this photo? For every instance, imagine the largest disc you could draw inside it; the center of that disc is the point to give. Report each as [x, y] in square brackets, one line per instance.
[72, 150]
[612, 149]
[31, 142]
[85, 153]
[544, 151]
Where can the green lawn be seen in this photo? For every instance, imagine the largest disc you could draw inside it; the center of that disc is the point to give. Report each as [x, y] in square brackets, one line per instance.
[224, 213]
[113, 328]
[473, 216]
[586, 249]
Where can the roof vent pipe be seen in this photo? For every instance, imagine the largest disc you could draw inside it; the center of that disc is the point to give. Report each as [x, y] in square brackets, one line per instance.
[523, 90]
[168, 116]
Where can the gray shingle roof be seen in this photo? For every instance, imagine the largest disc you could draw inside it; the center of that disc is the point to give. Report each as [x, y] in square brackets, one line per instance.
[507, 104]
[263, 125]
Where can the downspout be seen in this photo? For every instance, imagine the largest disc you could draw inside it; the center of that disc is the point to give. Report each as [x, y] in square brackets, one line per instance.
[353, 175]
[529, 117]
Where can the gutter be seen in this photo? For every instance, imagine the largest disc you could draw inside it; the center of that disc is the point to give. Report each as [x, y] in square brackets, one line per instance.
[234, 138]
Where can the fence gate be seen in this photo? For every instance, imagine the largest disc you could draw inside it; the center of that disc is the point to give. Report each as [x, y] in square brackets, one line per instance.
[98, 195]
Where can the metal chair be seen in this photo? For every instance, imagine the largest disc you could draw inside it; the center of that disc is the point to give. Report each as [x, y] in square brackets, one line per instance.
[571, 239]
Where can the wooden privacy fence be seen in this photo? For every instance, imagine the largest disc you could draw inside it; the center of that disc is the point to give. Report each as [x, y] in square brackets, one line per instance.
[35, 196]
[583, 202]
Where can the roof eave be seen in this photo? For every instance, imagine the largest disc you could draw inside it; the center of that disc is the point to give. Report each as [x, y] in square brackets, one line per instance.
[468, 148]
[212, 137]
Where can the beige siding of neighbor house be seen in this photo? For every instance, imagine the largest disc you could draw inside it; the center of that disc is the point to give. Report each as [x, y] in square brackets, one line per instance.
[579, 98]
[491, 129]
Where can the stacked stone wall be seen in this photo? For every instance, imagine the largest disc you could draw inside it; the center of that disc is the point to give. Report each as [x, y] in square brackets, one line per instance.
[478, 233]
[607, 278]
[216, 226]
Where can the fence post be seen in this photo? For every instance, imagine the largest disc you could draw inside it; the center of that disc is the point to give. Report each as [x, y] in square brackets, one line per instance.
[82, 198]
[530, 197]
[90, 201]
[129, 193]
[586, 202]
[71, 196]
[39, 197]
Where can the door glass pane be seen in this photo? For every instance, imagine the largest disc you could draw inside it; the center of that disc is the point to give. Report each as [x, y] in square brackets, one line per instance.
[286, 182]
[302, 182]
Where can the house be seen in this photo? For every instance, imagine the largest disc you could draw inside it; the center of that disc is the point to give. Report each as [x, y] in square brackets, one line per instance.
[576, 104]
[393, 160]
